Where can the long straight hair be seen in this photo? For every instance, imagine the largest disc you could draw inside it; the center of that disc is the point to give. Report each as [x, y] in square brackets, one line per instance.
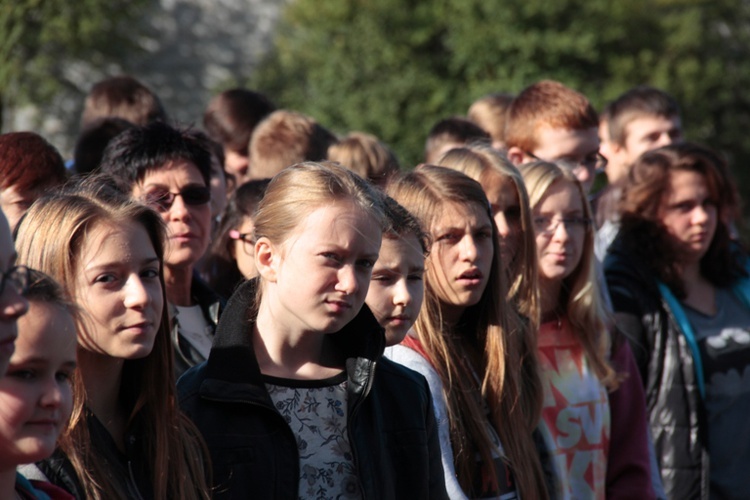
[581, 298]
[51, 239]
[484, 164]
[508, 371]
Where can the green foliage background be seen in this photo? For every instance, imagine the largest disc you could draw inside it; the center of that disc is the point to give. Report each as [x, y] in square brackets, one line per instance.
[395, 67]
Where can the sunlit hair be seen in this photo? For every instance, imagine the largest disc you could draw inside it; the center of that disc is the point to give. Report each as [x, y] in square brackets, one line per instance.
[51, 239]
[636, 103]
[285, 138]
[484, 164]
[122, 97]
[580, 297]
[366, 155]
[400, 222]
[649, 184]
[297, 191]
[546, 103]
[491, 112]
[509, 375]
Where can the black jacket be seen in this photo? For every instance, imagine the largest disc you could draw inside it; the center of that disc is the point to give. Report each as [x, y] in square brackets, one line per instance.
[391, 425]
[674, 405]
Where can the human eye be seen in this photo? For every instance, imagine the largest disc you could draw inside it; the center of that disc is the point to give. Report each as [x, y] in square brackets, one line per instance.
[382, 277]
[542, 221]
[484, 233]
[365, 263]
[447, 237]
[332, 257]
[415, 276]
[513, 213]
[105, 278]
[22, 374]
[578, 221]
[64, 375]
[150, 273]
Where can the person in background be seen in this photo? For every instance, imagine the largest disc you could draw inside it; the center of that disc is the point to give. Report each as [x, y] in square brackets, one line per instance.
[123, 97]
[35, 394]
[293, 400]
[490, 113]
[13, 282]
[366, 156]
[451, 133]
[231, 257]
[29, 166]
[93, 141]
[680, 292]
[230, 119]
[126, 438]
[170, 171]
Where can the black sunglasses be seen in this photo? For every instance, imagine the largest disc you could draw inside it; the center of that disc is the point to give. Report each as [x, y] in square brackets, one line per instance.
[162, 200]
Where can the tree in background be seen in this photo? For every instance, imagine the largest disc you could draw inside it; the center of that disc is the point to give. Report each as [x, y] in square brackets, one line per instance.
[45, 43]
[395, 67]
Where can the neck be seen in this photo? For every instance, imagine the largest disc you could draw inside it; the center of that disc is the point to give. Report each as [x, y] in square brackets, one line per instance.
[451, 314]
[102, 376]
[549, 292]
[289, 353]
[691, 274]
[178, 281]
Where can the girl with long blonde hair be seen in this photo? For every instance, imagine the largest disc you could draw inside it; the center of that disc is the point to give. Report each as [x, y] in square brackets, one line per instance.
[487, 370]
[126, 438]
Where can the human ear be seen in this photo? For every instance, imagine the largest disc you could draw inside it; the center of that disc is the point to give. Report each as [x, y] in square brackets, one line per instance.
[516, 155]
[267, 259]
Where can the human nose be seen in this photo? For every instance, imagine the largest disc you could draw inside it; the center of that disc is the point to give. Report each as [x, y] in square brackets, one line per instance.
[503, 228]
[401, 295]
[136, 294]
[347, 280]
[178, 210]
[560, 230]
[52, 393]
[700, 215]
[469, 249]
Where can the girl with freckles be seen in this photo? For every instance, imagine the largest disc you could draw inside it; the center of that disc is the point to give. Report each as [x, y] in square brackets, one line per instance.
[294, 400]
[126, 437]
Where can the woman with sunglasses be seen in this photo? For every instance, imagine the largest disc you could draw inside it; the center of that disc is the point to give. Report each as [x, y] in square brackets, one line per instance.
[169, 170]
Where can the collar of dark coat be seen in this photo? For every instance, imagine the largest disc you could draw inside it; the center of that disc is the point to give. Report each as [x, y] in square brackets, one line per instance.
[232, 359]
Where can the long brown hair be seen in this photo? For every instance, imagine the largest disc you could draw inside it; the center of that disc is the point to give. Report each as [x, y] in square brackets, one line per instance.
[508, 370]
[51, 239]
[580, 298]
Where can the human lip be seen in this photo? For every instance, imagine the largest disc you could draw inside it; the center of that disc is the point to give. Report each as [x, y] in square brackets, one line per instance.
[338, 306]
[399, 319]
[45, 423]
[471, 277]
[141, 328]
[185, 236]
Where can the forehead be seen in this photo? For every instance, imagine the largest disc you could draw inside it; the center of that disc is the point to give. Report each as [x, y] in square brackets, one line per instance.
[556, 142]
[683, 184]
[501, 190]
[401, 250]
[644, 124]
[47, 331]
[561, 197]
[124, 240]
[178, 172]
[462, 215]
[341, 224]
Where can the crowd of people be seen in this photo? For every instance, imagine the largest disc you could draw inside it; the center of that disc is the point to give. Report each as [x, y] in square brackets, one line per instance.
[552, 306]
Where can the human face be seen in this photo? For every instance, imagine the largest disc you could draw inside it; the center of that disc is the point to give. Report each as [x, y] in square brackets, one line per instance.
[237, 163]
[119, 291]
[35, 394]
[317, 279]
[396, 287]
[14, 203]
[688, 213]
[189, 226]
[12, 304]
[560, 228]
[244, 251]
[573, 146]
[506, 210]
[461, 257]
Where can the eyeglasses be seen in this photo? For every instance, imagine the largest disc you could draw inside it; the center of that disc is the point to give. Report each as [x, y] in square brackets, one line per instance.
[548, 225]
[247, 241]
[162, 200]
[594, 162]
[18, 277]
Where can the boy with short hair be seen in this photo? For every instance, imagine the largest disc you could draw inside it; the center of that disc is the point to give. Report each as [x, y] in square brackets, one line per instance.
[490, 112]
[452, 133]
[122, 97]
[551, 122]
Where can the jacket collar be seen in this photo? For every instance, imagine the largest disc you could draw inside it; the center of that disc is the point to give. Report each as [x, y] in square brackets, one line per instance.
[232, 358]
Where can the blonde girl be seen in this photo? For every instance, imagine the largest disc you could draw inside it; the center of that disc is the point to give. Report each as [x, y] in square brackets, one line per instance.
[294, 400]
[490, 386]
[126, 437]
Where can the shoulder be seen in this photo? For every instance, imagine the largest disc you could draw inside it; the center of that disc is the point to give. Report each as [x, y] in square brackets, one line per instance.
[411, 359]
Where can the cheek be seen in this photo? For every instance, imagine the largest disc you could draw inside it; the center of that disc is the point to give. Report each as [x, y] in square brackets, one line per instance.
[14, 410]
[416, 293]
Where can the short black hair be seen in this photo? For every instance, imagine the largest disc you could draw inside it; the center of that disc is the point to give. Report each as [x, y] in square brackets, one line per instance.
[139, 150]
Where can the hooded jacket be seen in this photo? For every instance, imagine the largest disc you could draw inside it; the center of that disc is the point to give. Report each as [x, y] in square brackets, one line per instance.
[391, 425]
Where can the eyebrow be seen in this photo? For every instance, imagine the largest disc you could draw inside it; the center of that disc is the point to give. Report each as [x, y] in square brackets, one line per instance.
[108, 265]
[40, 361]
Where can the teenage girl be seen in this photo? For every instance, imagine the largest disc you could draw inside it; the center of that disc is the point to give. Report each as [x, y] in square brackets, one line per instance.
[126, 438]
[490, 386]
[291, 401]
[35, 393]
[593, 419]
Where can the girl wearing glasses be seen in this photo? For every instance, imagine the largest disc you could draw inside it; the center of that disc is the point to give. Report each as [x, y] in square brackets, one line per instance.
[680, 291]
[126, 438]
[594, 427]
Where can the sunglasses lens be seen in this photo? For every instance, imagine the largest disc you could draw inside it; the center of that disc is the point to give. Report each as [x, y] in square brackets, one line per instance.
[196, 195]
[160, 200]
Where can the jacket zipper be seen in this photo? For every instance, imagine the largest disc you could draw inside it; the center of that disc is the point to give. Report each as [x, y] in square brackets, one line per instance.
[355, 407]
[133, 482]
